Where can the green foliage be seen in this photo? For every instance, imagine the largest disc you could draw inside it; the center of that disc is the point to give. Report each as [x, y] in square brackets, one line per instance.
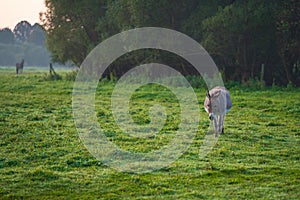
[196, 81]
[71, 28]
[193, 24]
[26, 42]
[233, 46]
[289, 86]
[6, 36]
[34, 55]
[71, 76]
[255, 84]
[42, 156]
[22, 31]
[239, 35]
[288, 39]
[51, 77]
[37, 35]
[233, 84]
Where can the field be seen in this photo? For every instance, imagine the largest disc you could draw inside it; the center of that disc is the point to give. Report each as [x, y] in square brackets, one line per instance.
[42, 156]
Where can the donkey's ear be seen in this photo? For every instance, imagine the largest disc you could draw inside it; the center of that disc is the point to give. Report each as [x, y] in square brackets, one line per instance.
[217, 93]
[207, 94]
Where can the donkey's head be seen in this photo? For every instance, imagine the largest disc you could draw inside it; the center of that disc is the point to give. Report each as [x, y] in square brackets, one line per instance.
[212, 103]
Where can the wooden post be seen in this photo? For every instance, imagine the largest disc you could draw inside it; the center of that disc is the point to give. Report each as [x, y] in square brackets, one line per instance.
[262, 72]
[51, 70]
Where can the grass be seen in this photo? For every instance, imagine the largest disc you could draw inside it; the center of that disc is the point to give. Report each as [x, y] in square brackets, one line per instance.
[42, 156]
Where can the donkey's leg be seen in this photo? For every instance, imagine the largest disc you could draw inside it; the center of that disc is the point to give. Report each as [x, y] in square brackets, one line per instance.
[220, 119]
[216, 125]
[222, 123]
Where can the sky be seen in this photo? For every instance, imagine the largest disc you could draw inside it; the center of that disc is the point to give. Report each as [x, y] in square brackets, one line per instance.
[14, 11]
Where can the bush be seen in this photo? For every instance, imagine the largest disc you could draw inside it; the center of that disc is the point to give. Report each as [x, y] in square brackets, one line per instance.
[196, 81]
[51, 77]
[290, 86]
[232, 84]
[71, 76]
[255, 84]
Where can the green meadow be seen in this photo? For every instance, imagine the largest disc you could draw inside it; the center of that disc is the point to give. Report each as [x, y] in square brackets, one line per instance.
[43, 157]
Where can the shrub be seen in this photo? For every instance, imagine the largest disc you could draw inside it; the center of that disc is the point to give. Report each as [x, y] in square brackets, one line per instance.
[51, 77]
[196, 81]
[255, 84]
[71, 76]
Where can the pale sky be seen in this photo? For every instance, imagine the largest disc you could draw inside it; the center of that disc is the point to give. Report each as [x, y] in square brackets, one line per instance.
[14, 11]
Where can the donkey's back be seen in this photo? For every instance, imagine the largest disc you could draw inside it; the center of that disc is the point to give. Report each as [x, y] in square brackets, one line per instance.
[224, 97]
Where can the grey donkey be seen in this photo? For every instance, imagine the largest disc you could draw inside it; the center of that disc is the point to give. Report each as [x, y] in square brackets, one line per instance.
[217, 104]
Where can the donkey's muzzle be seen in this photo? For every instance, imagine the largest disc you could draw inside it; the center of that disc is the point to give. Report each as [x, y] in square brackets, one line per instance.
[211, 116]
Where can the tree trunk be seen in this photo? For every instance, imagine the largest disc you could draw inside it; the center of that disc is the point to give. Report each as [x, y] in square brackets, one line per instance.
[288, 70]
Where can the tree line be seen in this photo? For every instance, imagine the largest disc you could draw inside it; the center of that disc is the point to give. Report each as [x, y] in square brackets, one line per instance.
[26, 42]
[247, 39]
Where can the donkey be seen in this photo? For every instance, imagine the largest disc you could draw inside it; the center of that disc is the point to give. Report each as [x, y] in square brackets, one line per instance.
[217, 104]
[19, 67]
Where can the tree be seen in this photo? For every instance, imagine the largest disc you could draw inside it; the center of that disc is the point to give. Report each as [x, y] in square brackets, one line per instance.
[122, 15]
[75, 27]
[203, 10]
[22, 31]
[241, 35]
[127, 14]
[6, 36]
[36, 55]
[288, 39]
[6, 57]
[240, 38]
[29, 45]
[37, 35]
[71, 28]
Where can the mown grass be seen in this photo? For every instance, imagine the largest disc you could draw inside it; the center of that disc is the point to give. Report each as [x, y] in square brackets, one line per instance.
[42, 156]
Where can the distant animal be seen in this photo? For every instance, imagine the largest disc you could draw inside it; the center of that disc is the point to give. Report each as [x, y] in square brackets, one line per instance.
[19, 67]
[217, 104]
